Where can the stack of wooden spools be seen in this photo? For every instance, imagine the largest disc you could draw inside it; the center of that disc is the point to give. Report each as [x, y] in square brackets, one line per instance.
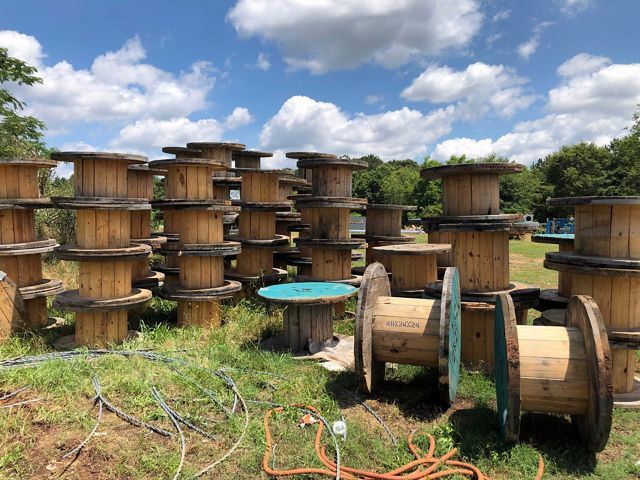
[327, 210]
[479, 238]
[259, 202]
[605, 265]
[20, 250]
[554, 298]
[197, 218]
[103, 248]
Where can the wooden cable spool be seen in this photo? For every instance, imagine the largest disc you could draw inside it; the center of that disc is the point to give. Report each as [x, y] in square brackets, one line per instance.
[605, 265]
[479, 236]
[407, 331]
[12, 307]
[223, 180]
[413, 266]
[140, 185]
[384, 227]
[198, 219]
[556, 297]
[563, 370]
[20, 250]
[103, 219]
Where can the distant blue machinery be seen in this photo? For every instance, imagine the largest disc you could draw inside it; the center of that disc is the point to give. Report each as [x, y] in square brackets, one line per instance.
[559, 225]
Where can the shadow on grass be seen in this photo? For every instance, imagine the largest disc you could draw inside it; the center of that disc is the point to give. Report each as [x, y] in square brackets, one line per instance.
[552, 435]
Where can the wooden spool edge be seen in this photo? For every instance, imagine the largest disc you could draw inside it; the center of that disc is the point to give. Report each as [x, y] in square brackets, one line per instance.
[44, 288]
[301, 155]
[385, 206]
[25, 203]
[629, 400]
[468, 227]
[226, 290]
[201, 249]
[161, 267]
[73, 156]
[554, 317]
[74, 253]
[595, 426]
[589, 270]
[28, 162]
[71, 301]
[544, 238]
[252, 154]
[521, 294]
[450, 337]
[375, 283]
[308, 201]
[221, 145]
[414, 249]
[262, 206]
[28, 248]
[441, 171]
[507, 368]
[354, 280]
[101, 203]
[167, 163]
[187, 204]
[276, 275]
[576, 201]
[332, 244]
[180, 150]
[384, 239]
[154, 242]
[573, 258]
[318, 162]
[152, 279]
[323, 300]
[549, 298]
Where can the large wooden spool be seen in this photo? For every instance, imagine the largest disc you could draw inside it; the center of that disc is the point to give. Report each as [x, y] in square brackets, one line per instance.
[553, 298]
[605, 265]
[563, 370]
[407, 331]
[413, 266]
[140, 185]
[479, 238]
[198, 220]
[103, 219]
[20, 250]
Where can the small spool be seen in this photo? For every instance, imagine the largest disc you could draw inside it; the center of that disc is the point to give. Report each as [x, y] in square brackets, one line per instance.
[562, 370]
[409, 331]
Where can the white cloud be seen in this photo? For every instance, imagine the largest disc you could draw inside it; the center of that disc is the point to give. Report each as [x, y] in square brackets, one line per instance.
[501, 15]
[118, 86]
[528, 48]
[572, 6]
[262, 62]
[240, 116]
[591, 104]
[479, 88]
[373, 99]
[148, 136]
[303, 123]
[333, 34]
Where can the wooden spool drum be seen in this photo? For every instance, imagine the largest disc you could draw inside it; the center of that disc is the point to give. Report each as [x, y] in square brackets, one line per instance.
[20, 250]
[561, 370]
[220, 153]
[102, 248]
[413, 266]
[444, 259]
[407, 331]
[556, 297]
[471, 188]
[332, 177]
[384, 227]
[257, 227]
[307, 317]
[140, 185]
[606, 266]
[307, 173]
[198, 219]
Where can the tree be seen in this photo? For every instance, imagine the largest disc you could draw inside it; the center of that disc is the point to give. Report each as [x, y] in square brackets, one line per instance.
[20, 136]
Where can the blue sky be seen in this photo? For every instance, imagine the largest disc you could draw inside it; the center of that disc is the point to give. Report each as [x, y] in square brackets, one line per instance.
[397, 78]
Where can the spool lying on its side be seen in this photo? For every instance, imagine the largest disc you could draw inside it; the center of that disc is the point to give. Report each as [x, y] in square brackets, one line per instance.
[564, 370]
[408, 331]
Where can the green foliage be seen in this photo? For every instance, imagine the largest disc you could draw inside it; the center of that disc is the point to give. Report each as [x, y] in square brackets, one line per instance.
[52, 222]
[20, 136]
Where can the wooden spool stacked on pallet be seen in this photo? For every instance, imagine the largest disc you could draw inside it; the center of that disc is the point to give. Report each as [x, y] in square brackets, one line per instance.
[20, 250]
[413, 266]
[103, 247]
[328, 209]
[479, 238]
[605, 265]
[563, 370]
[408, 331]
[259, 203]
[198, 220]
[383, 227]
[552, 298]
[140, 185]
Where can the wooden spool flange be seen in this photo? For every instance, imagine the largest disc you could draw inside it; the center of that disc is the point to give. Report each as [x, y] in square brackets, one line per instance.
[413, 266]
[307, 317]
[407, 331]
[249, 158]
[307, 173]
[140, 185]
[197, 216]
[556, 297]
[103, 246]
[20, 251]
[605, 265]
[562, 370]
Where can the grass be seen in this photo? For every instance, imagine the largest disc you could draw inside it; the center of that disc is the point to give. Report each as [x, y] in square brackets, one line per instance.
[34, 438]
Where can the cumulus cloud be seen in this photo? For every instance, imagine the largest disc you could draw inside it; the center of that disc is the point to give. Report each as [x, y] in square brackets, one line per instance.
[528, 48]
[240, 116]
[303, 123]
[373, 99]
[262, 62]
[594, 102]
[333, 34]
[118, 86]
[479, 88]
